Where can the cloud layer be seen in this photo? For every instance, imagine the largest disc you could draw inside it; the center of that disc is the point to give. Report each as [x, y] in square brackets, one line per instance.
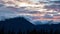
[43, 11]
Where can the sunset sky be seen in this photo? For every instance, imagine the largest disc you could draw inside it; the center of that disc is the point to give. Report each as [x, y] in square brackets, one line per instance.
[33, 9]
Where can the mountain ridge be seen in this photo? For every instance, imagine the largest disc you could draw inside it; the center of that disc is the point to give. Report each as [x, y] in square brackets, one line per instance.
[16, 24]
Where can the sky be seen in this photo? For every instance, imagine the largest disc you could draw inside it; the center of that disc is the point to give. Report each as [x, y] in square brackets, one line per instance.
[43, 0]
[34, 0]
[32, 10]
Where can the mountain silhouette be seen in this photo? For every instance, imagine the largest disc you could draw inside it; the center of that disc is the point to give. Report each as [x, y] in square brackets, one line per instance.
[20, 24]
[16, 24]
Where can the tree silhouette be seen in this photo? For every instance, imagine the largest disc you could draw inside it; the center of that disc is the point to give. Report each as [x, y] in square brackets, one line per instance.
[19, 32]
[2, 30]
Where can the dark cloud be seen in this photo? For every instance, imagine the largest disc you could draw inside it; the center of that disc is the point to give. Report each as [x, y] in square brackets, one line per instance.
[53, 7]
[48, 16]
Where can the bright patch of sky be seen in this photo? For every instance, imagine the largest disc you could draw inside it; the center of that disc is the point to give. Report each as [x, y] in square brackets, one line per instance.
[34, 0]
[55, 0]
[43, 0]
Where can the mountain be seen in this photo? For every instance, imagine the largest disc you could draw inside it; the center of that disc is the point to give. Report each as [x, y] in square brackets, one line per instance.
[43, 22]
[16, 24]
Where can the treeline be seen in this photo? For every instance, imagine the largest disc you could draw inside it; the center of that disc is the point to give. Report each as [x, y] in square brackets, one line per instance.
[34, 31]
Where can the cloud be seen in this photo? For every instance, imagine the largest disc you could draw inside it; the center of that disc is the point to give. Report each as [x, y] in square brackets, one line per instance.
[1, 5]
[54, 0]
[7, 13]
[48, 16]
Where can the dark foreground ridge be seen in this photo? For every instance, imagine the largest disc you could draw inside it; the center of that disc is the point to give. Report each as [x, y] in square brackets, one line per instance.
[20, 25]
